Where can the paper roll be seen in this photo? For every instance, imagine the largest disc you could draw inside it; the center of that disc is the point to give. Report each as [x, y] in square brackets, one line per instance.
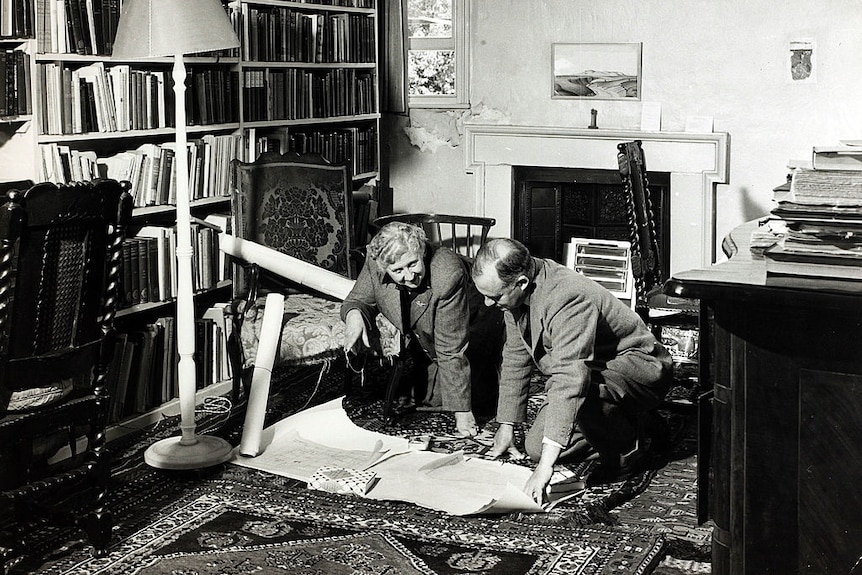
[303, 273]
[255, 413]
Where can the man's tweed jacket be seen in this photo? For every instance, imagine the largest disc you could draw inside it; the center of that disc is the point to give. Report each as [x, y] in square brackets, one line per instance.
[576, 328]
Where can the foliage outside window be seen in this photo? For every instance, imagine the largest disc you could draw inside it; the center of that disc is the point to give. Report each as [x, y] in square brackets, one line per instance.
[437, 53]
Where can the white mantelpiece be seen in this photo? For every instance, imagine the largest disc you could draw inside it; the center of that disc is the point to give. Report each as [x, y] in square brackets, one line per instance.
[696, 163]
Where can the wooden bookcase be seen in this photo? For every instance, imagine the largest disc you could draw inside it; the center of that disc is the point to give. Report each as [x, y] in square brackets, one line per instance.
[304, 79]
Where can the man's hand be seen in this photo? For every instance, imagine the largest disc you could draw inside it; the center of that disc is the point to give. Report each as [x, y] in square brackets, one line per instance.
[538, 482]
[354, 331]
[541, 477]
[504, 442]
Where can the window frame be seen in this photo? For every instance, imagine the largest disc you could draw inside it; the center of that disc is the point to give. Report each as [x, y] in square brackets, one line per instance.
[460, 44]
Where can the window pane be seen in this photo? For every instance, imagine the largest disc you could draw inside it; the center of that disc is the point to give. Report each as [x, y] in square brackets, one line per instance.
[431, 72]
[429, 18]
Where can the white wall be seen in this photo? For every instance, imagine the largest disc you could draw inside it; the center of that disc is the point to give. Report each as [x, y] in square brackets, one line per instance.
[728, 59]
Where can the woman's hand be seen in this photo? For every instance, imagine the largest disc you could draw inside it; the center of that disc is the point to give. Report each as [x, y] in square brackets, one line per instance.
[465, 424]
[354, 331]
[504, 442]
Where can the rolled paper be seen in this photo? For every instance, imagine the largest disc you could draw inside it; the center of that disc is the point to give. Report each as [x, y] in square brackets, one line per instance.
[270, 331]
[294, 269]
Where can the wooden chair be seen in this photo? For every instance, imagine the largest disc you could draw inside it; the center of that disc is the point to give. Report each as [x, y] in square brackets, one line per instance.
[60, 251]
[674, 321]
[302, 206]
[462, 234]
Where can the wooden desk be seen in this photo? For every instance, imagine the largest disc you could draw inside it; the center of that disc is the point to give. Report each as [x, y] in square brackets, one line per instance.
[785, 366]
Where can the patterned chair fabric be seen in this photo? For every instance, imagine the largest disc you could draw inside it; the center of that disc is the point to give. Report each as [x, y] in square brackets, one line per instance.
[299, 205]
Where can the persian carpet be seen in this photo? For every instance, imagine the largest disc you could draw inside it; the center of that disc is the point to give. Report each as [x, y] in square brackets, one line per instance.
[231, 519]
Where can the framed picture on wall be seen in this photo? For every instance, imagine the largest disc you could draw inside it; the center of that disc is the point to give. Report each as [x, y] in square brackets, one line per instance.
[597, 71]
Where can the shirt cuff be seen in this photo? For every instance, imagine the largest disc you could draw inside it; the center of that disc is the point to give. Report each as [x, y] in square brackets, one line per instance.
[552, 442]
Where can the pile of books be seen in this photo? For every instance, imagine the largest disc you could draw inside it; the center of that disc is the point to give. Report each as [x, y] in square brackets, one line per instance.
[822, 210]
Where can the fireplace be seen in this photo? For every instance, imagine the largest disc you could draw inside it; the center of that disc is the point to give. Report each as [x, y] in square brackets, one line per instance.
[692, 164]
[553, 205]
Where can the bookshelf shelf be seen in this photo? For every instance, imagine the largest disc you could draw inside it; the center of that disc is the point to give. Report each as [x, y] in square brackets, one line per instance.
[16, 119]
[311, 121]
[152, 134]
[166, 306]
[312, 6]
[89, 58]
[206, 204]
[309, 65]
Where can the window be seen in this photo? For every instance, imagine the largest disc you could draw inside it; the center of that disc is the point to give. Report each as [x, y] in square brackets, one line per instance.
[437, 62]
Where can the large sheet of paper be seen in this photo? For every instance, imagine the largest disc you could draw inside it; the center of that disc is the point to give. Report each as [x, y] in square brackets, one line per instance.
[299, 445]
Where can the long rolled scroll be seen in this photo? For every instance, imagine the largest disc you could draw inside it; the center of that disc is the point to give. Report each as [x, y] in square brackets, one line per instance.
[257, 398]
[296, 270]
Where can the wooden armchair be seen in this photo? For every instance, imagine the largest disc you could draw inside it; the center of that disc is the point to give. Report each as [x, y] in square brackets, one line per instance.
[464, 235]
[59, 273]
[301, 206]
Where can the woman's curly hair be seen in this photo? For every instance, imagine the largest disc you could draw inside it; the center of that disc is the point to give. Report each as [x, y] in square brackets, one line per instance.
[393, 241]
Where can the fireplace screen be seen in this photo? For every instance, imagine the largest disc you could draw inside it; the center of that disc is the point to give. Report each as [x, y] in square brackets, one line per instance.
[553, 205]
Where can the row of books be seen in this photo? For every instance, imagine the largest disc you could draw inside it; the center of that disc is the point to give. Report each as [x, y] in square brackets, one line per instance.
[77, 26]
[143, 372]
[86, 27]
[149, 263]
[96, 98]
[16, 19]
[356, 146]
[149, 168]
[343, 3]
[14, 83]
[282, 34]
[820, 210]
[289, 94]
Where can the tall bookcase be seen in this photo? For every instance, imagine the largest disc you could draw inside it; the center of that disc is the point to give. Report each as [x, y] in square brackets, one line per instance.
[304, 79]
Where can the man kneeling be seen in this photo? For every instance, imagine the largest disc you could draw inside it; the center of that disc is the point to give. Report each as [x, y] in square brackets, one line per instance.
[606, 369]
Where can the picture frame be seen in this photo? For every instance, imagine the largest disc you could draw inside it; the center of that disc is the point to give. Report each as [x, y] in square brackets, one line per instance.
[596, 71]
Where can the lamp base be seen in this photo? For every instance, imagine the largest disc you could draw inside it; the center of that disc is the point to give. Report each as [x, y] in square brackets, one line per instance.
[171, 454]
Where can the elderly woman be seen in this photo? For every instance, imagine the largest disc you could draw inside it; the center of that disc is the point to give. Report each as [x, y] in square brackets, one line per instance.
[426, 291]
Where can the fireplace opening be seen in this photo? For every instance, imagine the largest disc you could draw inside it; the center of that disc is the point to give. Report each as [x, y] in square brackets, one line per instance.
[552, 205]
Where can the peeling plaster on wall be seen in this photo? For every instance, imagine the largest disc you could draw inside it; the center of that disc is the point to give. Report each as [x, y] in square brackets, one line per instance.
[484, 115]
[429, 130]
[425, 140]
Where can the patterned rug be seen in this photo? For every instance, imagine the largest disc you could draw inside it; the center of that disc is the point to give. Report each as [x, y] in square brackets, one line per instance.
[231, 519]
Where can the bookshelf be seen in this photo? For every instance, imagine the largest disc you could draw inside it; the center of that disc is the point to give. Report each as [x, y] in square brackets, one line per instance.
[310, 81]
[305, 79]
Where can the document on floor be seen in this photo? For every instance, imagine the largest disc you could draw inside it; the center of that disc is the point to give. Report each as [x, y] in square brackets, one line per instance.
[324, 437]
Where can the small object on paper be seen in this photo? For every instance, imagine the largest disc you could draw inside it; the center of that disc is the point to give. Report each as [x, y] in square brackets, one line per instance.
[419, 442]
[651, 116]
[341, 480]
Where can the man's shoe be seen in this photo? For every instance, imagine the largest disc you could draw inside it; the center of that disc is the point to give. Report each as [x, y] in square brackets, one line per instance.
[616, 468]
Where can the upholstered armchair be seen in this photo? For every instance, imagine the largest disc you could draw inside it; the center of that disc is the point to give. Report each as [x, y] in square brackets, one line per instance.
[301, 206]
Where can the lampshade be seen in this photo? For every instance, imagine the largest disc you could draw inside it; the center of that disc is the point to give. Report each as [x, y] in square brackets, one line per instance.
[154, 28]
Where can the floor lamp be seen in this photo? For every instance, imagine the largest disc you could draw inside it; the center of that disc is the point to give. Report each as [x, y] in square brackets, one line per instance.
[158, 28]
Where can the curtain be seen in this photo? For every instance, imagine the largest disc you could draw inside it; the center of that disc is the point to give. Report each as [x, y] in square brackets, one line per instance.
[393, 53]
